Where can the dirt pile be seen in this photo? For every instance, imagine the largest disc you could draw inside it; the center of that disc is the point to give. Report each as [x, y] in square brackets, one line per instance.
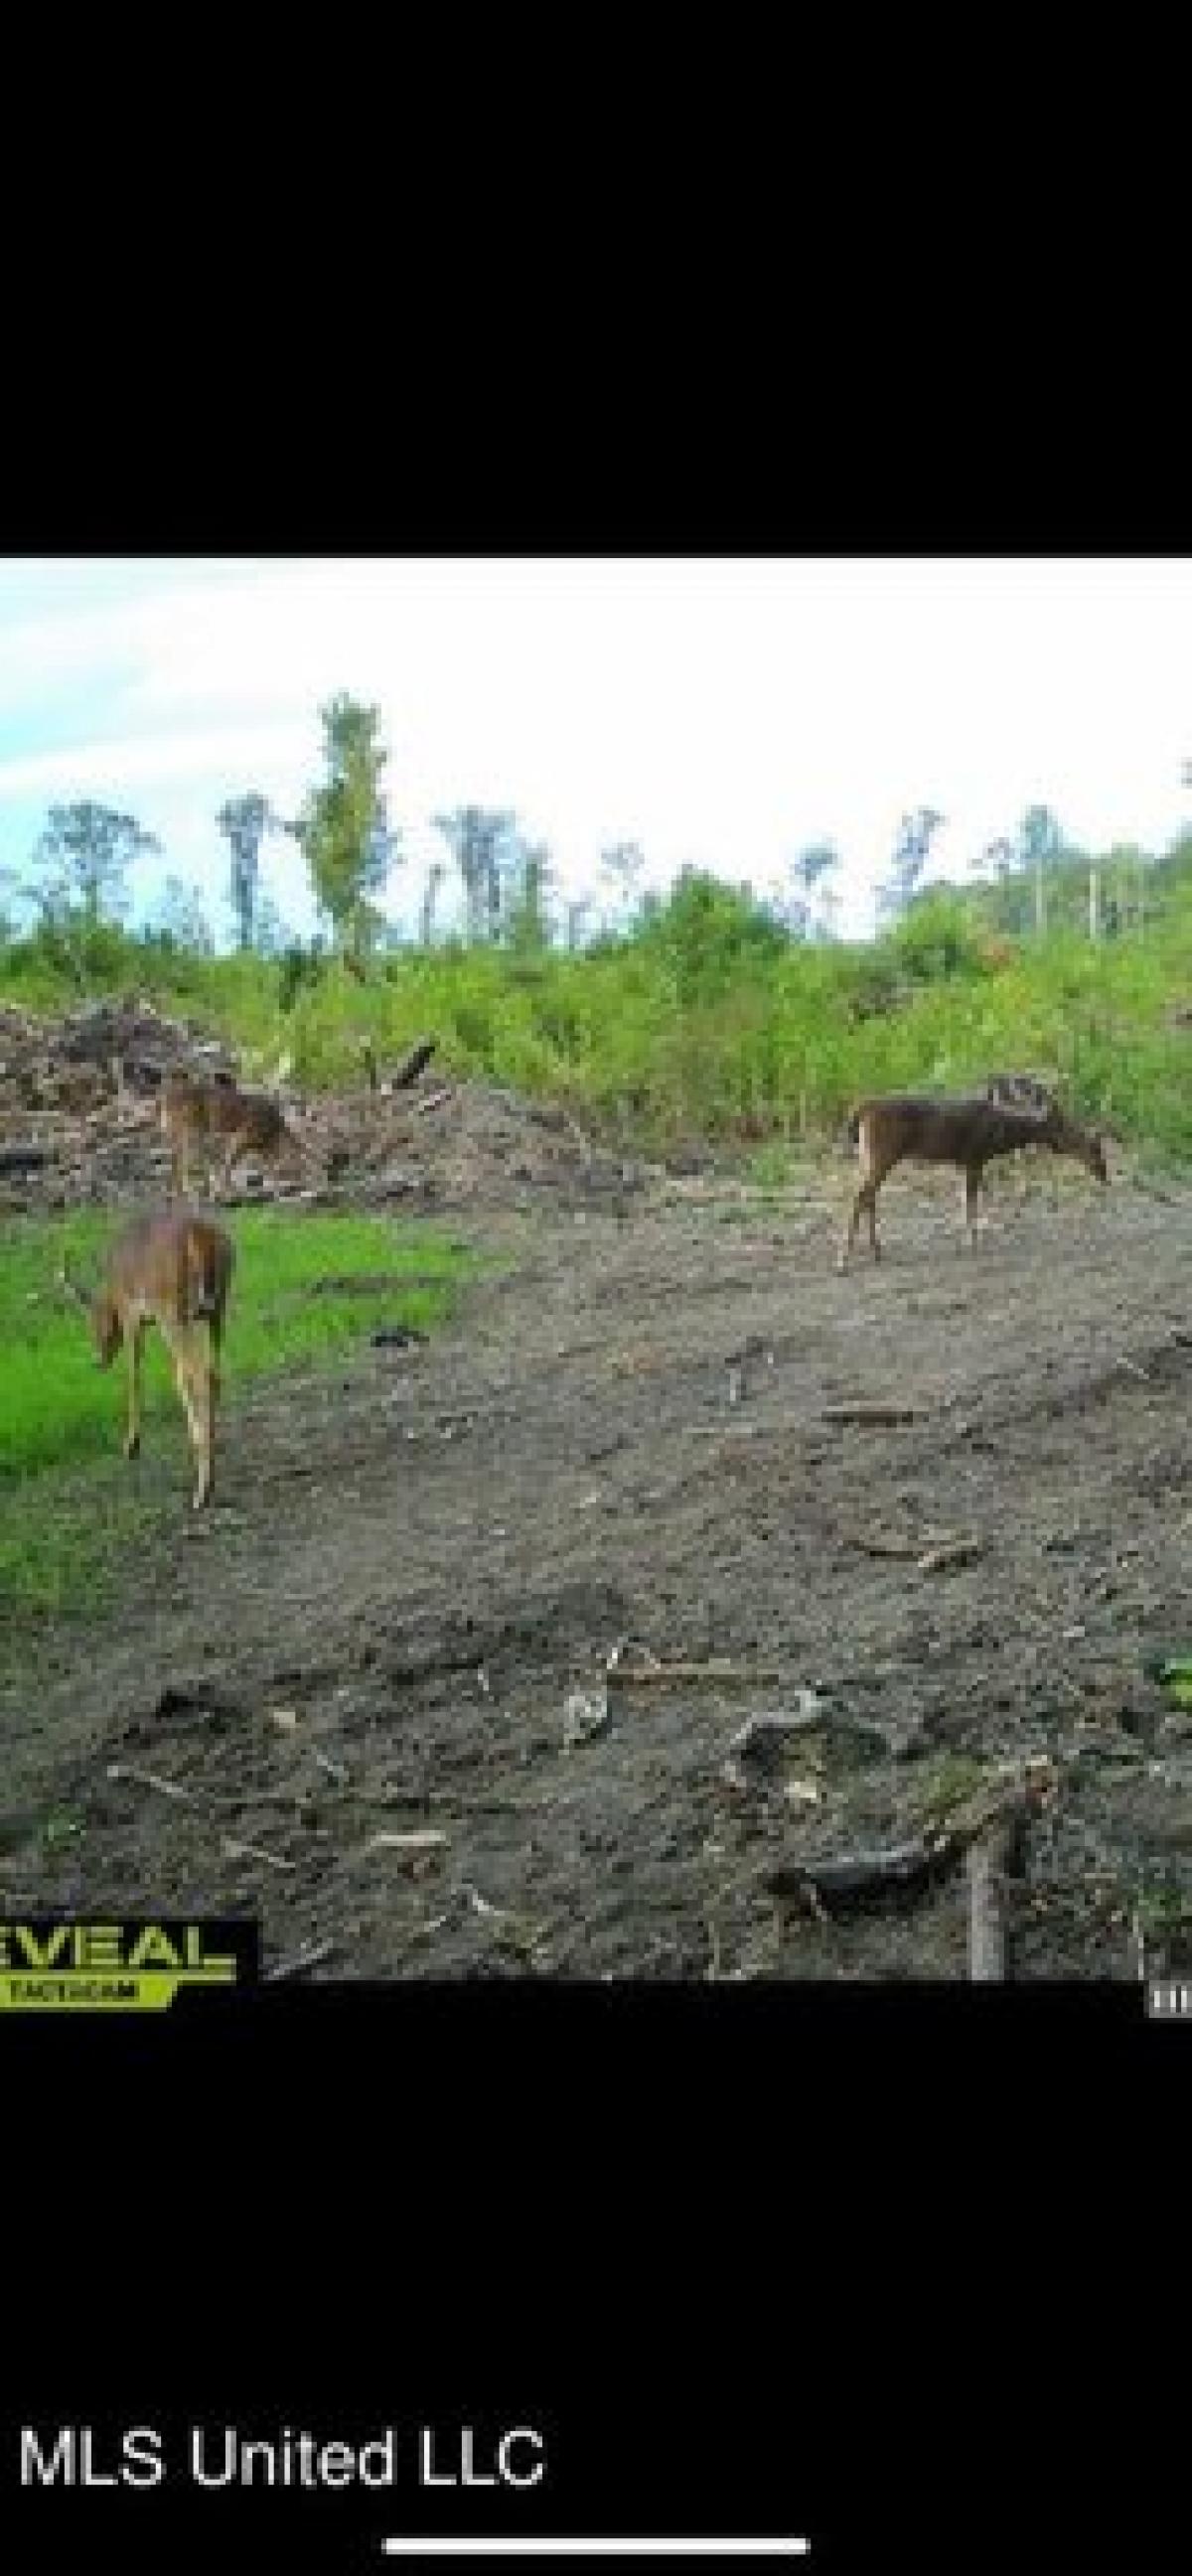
[79, 1125]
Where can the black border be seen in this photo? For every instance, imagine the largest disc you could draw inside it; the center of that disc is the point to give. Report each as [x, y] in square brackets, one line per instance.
[833, 2256]
[754, 2259]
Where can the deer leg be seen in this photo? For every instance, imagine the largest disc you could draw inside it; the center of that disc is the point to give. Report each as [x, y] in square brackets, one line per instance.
[972, 1186]
[204, 1382]
[850, 1233]
[132, 1437]
[214, 1344]
[863, 1201]
[182, 1355]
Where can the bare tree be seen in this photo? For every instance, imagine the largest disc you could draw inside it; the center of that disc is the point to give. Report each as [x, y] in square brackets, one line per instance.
[244, 821]
[430, 895]
[912, 850]
[482, 841]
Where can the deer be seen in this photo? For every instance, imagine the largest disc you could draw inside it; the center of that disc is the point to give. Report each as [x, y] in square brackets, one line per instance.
[173, 1270]
[966, 1131]
[209, 1112]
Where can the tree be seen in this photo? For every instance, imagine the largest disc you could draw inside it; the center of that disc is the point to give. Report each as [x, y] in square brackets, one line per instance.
[180, 918]
[9, 891]
[622, 865]
[1125, 879]
[271, 933]
[343, 830]
[528, 920]
[244, 821]
[813, 863]
[1040, 841]
[577, 914]
[81, 861]
[483, 843]
[430, 895]
[912, 850]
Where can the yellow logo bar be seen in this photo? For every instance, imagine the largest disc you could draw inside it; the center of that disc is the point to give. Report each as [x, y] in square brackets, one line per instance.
[50, 1966]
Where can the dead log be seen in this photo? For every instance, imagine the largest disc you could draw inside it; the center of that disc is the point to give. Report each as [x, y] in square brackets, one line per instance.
[998, 1810]
[953, 1551]
[412, 1064]
[25, 1158]
[862, 1877]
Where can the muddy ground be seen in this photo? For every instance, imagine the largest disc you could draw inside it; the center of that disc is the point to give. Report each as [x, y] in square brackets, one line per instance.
[620, 1443]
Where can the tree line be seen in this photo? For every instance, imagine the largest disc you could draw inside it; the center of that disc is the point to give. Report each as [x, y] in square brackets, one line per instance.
[77, 876]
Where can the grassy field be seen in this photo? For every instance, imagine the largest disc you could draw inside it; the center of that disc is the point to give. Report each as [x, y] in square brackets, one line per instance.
[303, 1288]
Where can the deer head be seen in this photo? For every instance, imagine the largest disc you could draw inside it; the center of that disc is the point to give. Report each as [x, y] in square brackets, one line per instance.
[100, 1311]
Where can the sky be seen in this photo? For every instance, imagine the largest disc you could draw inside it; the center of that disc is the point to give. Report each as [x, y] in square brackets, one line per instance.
[723, 713]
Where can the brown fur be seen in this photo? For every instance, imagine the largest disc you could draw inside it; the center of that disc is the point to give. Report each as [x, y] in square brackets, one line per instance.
[218, 1114]
[966, 1131]
[175, 1271]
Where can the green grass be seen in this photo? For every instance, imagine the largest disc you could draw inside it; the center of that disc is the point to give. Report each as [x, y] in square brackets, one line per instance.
[304, 1288]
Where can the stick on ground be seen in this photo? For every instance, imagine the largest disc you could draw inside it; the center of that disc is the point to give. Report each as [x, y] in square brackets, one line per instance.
[876, 1414]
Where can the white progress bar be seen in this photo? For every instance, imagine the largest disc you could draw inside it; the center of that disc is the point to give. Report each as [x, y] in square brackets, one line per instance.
[540, 2547]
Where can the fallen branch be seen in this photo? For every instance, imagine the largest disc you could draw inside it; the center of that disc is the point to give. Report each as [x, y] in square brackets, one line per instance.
[300, 1960]
[875, 1414]
[411, 1065]
[953, 1551]
[731, 1430]
[253, 1851]
[861, 1875]
[908, 1867]
[154, 1780]
[519, 1930]
[991, 1859]
[414, 1845]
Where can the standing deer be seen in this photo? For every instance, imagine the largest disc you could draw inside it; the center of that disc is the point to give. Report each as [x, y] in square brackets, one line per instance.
[967, 1132]
[175, 1271]
[211, 1113]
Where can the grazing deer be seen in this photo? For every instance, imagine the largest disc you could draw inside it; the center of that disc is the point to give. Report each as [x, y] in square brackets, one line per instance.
[966, 1132]
[196, 1110]
[175, 1271]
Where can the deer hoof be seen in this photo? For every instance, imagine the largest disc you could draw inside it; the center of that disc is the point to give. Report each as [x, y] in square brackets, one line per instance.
[132, 1444]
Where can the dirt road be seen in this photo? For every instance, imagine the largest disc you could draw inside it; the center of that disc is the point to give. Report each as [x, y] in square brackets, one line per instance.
[622, 1442]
